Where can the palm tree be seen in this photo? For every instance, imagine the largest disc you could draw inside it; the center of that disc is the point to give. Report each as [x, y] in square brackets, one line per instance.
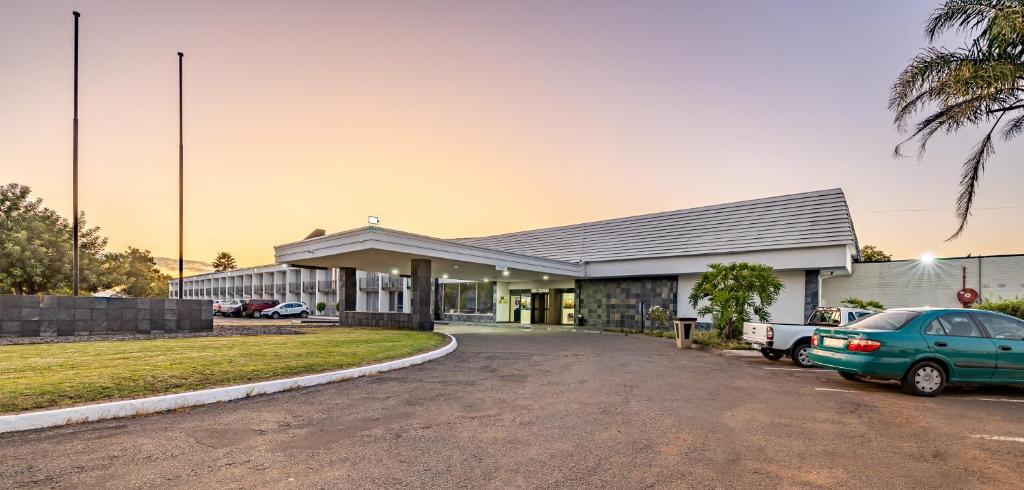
[978, 85]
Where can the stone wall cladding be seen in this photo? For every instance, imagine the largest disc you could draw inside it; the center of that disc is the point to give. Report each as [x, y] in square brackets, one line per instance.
[53, 316]
[614, 303]
[375, 319]
[812, 283]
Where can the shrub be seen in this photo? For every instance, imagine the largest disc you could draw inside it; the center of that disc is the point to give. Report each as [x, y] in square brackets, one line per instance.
[1012, 307]
[320, 307]
[864, 304]
[711, 338]
[658, 315]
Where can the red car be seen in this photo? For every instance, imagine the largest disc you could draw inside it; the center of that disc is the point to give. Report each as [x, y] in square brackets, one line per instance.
[252, 307]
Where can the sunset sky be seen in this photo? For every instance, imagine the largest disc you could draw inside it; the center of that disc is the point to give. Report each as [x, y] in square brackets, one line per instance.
[471, 118]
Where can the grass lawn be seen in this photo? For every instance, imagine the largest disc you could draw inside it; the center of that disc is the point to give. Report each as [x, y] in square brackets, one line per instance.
[58, 375]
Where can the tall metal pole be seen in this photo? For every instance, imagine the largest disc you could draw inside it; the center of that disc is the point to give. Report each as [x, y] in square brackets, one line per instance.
[74, 173]
[181, 183]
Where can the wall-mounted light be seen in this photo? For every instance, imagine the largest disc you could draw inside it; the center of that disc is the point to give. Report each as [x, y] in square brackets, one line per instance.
[394, 271]
[545, 278]
[373, 220]
[444, 276]
[505, 273]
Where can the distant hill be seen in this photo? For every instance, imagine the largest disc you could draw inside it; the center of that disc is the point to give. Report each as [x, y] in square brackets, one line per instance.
[192, 267]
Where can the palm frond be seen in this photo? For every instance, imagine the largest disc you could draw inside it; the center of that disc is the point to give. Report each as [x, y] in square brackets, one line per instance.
[961, 16]
[973, 167]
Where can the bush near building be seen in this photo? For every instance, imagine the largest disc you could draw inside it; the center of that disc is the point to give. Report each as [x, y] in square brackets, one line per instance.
[1012, 307]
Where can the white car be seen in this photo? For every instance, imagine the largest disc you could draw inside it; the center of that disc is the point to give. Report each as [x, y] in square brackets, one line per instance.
[286, 309]
[775, 340]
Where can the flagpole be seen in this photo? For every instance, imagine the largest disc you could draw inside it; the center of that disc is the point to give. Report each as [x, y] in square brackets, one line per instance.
[181, 182]
[74, 173]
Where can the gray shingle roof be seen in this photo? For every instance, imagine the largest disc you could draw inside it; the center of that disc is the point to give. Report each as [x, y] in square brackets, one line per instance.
[816, 218]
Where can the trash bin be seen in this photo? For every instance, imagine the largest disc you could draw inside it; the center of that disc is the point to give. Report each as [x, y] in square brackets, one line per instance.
[683, 328]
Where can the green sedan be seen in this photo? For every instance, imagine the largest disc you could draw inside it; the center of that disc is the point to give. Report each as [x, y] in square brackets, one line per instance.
[925, 348]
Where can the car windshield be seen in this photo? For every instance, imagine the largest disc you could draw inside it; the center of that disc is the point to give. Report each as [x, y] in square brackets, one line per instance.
[886, 320]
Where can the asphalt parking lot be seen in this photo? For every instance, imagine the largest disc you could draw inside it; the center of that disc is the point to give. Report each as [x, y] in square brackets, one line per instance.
[514, 408]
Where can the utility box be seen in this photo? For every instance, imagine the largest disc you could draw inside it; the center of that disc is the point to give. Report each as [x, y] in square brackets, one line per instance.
[684, 328]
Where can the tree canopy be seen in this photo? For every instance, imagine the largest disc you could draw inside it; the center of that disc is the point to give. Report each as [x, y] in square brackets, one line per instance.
[871, 253]
[35, 252]
[224, 262]
[978, 85]
[732, 294]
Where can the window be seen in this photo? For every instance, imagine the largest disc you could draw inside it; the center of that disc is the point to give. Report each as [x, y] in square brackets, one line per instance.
[1000, 327]
[886, 320]
[825, 316]
[485, 297]
[467, 297]
[954, 325]
[451, 297]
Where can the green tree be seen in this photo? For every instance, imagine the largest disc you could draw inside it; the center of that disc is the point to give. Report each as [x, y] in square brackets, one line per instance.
[224, 262]
[978, 85]
[35, 248]
[734, 293]
[864, 304]
[871, 253]
[139, 277]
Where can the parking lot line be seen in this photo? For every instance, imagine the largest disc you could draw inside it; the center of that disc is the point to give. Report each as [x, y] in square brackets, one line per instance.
[998, 438]
[834, 389]
[1007, 400]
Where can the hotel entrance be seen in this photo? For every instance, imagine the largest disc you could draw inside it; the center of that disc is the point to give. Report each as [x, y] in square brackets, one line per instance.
[543, 306]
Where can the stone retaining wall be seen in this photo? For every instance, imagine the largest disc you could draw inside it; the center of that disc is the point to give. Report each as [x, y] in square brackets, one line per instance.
[469, 317]
[51, 316]
[375, 319]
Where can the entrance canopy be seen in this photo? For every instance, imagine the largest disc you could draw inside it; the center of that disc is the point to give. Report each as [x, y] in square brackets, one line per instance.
[383, 250]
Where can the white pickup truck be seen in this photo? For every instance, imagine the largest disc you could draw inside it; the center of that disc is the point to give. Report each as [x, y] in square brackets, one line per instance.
[775, 340]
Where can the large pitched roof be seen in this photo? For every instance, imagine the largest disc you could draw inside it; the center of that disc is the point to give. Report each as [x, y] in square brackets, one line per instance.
[818, 218]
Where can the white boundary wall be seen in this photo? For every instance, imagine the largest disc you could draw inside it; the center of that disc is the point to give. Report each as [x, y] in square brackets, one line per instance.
[911, 283]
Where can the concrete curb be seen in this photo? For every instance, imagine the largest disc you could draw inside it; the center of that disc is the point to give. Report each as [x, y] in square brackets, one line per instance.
[163, 403]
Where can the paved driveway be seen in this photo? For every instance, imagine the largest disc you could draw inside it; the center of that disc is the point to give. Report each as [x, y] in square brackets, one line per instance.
[551, 409]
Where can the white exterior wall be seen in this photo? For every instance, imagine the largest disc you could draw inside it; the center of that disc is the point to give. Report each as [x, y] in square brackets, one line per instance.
[910, 283]
[789, 308]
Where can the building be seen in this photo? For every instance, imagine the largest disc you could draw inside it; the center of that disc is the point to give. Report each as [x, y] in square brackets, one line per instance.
[376, 292]
[602, 273]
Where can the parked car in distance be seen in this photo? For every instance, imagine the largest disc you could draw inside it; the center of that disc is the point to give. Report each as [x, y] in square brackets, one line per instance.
[776, 340]
[286, 309]
[231, 308]
[926, 349]
[252, 307]
[216, 306]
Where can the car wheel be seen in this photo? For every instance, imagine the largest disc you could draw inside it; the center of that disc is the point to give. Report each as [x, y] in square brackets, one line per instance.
[772, 354]
[304, 314]
[801, 355]
[275, 315]
[850, 376]
[925, 378]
